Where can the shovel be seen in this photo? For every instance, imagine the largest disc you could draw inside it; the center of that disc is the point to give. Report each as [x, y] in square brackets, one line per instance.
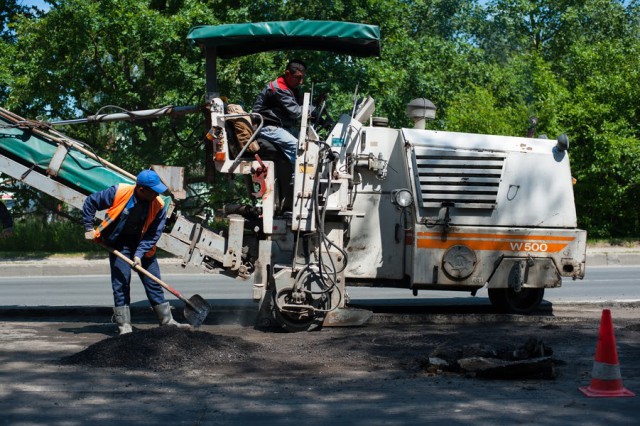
[196, 308]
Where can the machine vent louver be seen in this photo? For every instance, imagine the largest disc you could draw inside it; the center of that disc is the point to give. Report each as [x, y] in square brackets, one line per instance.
[468, 179]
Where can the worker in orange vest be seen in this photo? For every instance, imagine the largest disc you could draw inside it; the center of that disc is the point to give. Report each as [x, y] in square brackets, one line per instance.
[134, 222]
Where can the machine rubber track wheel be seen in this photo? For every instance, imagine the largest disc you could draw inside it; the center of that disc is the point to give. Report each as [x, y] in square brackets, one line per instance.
[510, 301]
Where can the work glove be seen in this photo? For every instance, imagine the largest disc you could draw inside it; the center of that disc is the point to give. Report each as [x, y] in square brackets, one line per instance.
[136, 262]
[90, 235]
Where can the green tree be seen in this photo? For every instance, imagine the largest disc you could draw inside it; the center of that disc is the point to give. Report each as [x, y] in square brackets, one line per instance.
[576, 65]
[602, 115]
[8, 12]
[488, 68]
[81, 58]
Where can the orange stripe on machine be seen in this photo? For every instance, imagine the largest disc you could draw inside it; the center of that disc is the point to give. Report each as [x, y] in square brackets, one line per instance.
[495, 242]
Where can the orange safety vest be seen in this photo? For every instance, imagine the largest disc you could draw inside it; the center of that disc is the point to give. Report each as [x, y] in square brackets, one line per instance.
[123, 195]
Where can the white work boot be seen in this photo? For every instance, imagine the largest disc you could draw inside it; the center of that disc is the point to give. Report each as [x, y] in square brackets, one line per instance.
[163, 311]
[122, 317]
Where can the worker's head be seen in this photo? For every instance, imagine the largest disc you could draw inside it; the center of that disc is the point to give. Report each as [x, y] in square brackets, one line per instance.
[294, 73]
[149, 185]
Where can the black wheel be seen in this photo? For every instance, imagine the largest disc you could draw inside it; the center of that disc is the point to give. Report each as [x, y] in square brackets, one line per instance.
[294, 319]
[510, 301]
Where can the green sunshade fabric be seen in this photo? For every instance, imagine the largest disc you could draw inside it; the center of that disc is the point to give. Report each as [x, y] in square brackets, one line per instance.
[233, 40]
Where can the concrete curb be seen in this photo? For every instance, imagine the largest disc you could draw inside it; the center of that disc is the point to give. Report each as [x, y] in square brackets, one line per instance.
[80, 266]
[246, 314]
[613, 258]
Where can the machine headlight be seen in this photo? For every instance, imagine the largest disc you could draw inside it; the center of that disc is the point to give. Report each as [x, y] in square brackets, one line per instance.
[402, 197]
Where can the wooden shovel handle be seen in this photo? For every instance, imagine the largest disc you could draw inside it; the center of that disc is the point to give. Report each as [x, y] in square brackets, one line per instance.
[140, 269]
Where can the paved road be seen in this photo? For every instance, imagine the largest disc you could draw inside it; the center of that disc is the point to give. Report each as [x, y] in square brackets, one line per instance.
[596, 257]
[601, 284]
[306, 386]
[36, 390]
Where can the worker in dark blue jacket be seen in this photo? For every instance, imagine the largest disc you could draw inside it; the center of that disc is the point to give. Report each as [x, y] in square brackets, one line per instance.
[135, 219]
[280, 104]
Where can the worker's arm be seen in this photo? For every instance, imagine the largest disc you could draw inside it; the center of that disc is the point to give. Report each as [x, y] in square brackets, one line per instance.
[100, 200]
[151, 237]
[288, 103]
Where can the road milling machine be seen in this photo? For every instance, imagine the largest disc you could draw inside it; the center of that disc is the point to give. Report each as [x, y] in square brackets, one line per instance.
[368, 205]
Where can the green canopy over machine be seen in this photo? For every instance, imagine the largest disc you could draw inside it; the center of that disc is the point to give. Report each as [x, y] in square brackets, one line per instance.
[232, 40]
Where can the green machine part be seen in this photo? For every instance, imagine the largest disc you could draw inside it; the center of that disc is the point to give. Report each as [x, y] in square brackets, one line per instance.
[232, 40]
[36, 150]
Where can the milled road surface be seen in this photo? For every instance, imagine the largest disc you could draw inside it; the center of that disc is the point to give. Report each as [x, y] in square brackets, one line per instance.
[371, 375]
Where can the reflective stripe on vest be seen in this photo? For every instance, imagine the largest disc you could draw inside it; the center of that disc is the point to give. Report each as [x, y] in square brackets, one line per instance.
[123, 195]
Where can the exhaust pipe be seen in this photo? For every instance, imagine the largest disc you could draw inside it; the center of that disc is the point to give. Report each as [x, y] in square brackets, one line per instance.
[420, 110]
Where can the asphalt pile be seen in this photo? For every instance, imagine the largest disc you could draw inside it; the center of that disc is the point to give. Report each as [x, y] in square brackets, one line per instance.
[163, 349]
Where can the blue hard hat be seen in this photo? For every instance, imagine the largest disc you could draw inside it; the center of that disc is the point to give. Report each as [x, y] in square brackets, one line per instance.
[150, 179]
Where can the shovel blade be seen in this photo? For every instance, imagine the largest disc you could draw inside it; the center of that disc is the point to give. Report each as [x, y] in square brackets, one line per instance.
[197, 310]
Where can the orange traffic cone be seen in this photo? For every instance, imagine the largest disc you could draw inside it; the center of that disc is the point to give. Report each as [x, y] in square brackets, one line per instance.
[606, 380]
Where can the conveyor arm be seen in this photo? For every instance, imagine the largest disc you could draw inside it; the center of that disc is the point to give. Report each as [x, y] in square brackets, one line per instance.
[39, 156]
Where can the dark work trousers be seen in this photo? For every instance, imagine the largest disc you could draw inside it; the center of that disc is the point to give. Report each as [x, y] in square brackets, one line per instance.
[121, 277]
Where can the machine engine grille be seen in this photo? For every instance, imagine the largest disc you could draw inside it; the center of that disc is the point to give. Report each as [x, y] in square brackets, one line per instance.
[463, 179]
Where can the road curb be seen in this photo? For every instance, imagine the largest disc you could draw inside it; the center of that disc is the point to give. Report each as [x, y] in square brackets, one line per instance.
[141, 315]
[79, 266]
[613, 259]
[246, 315]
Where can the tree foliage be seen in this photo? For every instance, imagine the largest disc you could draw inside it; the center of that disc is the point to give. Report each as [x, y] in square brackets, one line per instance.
[488, 66]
